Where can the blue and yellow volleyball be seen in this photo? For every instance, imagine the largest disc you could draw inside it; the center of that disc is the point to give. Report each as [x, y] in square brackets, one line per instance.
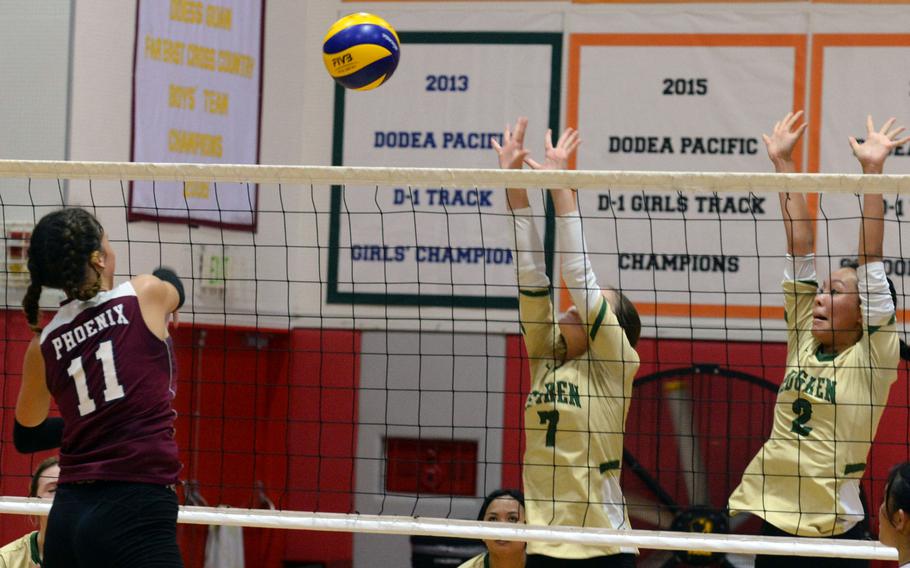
[361, 51]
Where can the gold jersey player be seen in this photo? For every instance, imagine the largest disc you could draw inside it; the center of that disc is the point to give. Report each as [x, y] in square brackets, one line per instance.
[842, 357]
[581, 376]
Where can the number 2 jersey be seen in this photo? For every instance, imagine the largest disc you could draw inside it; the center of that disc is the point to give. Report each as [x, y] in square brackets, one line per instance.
[575, 416]
[805, 479]
[113, 381]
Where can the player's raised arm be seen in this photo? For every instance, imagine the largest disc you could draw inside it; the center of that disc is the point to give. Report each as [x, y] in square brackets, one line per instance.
[512, 154]
[161, 294]
[535, 308]
[577, 272]
[797, 223]
[871, 154]
[528, 244]
[576, 267]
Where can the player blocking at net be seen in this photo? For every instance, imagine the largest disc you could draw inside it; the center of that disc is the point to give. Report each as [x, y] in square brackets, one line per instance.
[842, 358]
[108, 362]
[581, 374]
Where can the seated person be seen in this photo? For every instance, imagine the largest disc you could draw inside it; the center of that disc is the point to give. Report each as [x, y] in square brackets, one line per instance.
[894, 513]
[27, 552]
[503, 506]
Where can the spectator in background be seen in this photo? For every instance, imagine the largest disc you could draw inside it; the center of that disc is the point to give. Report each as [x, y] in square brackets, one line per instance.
[502, 506]
[894, 513]
[28, 551]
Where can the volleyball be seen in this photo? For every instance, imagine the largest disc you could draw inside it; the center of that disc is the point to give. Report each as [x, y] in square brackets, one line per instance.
[361, 51]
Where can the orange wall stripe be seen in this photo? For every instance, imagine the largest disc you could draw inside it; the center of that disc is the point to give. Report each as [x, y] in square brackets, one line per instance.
[819, 43]
[681, 1]
[727, 1]
[861, 1]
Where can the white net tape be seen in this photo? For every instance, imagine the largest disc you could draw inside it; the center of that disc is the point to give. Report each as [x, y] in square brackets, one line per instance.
[658, 540]
[660, 181]
[376, 524]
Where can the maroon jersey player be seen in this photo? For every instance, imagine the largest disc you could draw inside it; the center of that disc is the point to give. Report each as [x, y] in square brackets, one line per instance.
[107, 361]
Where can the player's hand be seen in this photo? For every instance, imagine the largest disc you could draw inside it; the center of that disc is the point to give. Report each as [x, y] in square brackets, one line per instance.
[512, 152]
[175, 318]
[784, 138]
[557, 158]
[873, 152]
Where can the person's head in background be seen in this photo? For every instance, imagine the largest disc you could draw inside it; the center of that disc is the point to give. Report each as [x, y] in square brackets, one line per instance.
[894, 513]
[44, 480]
[44, 485]
[504, 506]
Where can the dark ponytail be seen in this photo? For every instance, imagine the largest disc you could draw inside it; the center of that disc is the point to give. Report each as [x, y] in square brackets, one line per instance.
[897, 489]
[59, 256]
[30, 305]
[627, 317]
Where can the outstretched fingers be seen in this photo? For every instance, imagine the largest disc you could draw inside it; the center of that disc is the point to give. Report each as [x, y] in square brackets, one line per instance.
[520, 128]
[875, 149]
[548, 140]
[793, 118]
[569, 139]
[784, 137]
[566, 136]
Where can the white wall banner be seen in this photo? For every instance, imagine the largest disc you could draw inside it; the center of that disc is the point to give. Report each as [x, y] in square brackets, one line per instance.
[196, 98]
[684, 102]
[451, 96]
[852, 76]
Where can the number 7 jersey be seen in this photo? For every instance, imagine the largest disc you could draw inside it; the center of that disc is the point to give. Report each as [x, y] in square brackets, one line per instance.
[113, 381]
[805, 478]
[575, 416]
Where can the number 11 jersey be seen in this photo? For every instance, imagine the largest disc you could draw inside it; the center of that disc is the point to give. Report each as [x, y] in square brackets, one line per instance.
[113, 381]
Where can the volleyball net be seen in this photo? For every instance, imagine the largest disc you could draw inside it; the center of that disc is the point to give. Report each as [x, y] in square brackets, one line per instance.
[351, 360]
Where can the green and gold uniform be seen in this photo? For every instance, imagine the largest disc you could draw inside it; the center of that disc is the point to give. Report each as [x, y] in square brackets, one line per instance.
[575, 416]
[805, 479]
[21, 553]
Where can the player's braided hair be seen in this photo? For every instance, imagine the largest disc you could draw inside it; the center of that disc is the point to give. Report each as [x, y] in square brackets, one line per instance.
[59, 254]
[897, 489]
